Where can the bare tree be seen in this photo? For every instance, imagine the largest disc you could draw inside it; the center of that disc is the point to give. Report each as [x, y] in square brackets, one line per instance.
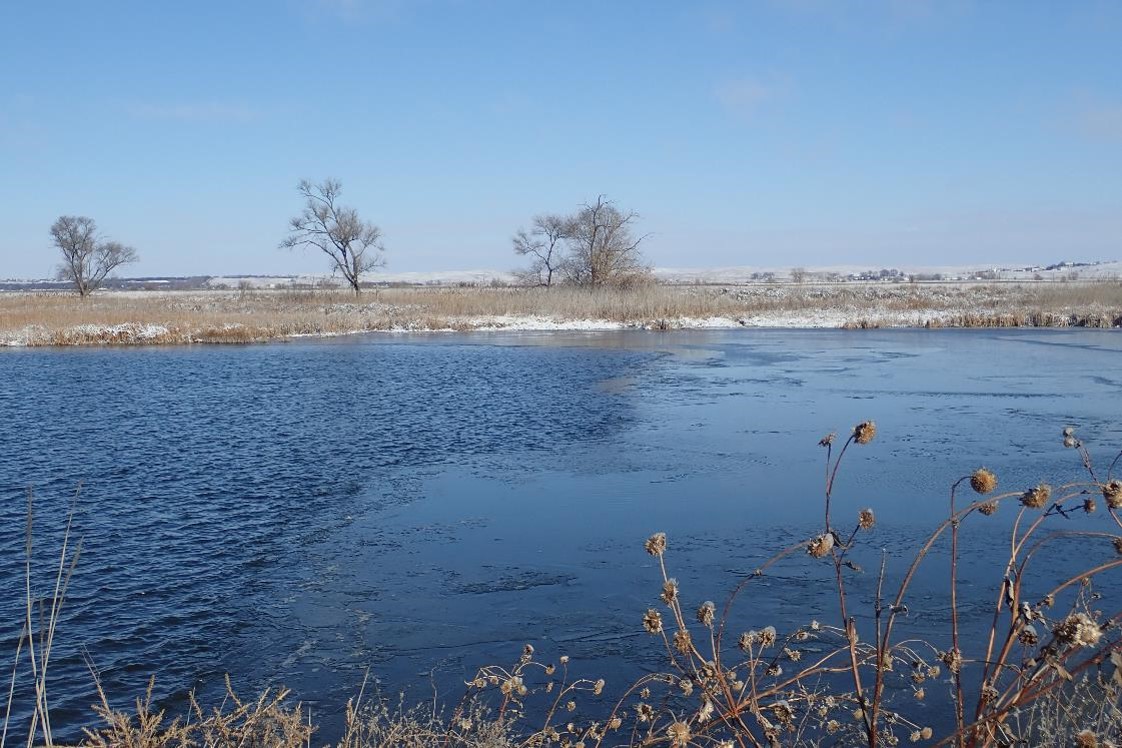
[87, 260]
[798, 275]
[354, 246]
[545, 244]
[603, 247]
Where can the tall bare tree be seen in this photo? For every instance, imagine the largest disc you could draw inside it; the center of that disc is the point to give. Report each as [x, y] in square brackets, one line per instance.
[354, 246]
[603, 247]
[87, 260]
[545, 243]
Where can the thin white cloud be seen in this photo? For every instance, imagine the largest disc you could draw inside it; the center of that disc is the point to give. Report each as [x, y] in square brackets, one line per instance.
[747, 98]
[1086, 114]
[1102, 121]
[362, 10]
[197, 111]
[896, 12]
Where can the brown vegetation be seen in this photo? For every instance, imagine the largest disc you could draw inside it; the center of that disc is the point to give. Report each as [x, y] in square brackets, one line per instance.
[250, 316]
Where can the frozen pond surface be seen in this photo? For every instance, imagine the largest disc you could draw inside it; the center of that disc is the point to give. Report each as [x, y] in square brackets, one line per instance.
[295, 513]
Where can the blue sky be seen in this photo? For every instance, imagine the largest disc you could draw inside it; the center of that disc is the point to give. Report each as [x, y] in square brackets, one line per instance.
[774, 132]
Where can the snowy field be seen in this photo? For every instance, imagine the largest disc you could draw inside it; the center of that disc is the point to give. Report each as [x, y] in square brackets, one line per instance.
[732, 275]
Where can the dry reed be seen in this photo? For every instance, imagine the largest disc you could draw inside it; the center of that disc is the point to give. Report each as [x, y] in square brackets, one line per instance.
[52, 318]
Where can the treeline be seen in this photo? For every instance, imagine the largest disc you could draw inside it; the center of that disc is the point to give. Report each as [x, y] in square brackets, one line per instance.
[594, 246]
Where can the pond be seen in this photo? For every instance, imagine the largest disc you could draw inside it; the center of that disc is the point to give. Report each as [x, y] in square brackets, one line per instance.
[419, 505]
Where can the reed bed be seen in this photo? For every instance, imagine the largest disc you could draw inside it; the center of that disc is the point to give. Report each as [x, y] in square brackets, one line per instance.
[1046, 671]
[157, 318]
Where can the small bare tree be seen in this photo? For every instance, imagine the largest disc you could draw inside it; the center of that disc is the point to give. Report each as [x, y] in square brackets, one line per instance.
[603, 247]
[354, 246]
[87, 260]
[798, 275]
[545, 244]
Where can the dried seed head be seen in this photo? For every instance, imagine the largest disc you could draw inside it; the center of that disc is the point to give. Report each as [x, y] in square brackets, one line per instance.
[1089, 505]
[747, 639]
[669, 591]
[821, 545]
[988, 508]
[598, 687]
[679, 734]
[683, 642]
[864, 432]
[656, 544]
[686, 685]
[926, 733]
[827, 440]
[767, 636]
[952, 658]
[1078, 629]
[793, 655]
[1117, 542]
[1112, 492]
[784, 713]
[644, 712]
[983, 481]
[1070, 442]
[528, 650]
[1037, 498]
[1028, 636]
[1086, 739]
[652, 622]
[866, 520]
[706, 612]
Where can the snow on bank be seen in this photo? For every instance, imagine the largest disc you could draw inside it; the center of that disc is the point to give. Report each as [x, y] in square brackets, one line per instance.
[127, 333]
[806, 319]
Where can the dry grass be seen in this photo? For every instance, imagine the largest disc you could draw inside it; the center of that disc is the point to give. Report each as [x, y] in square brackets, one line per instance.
[252, 316]
[268, 721]
[1041, 676]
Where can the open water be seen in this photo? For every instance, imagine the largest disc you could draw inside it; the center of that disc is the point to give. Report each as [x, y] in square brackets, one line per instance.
[419, 505]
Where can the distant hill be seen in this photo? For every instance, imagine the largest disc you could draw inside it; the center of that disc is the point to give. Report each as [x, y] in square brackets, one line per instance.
[733, 275]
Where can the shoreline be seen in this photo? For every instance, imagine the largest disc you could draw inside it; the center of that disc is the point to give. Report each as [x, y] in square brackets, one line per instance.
[30, 319]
